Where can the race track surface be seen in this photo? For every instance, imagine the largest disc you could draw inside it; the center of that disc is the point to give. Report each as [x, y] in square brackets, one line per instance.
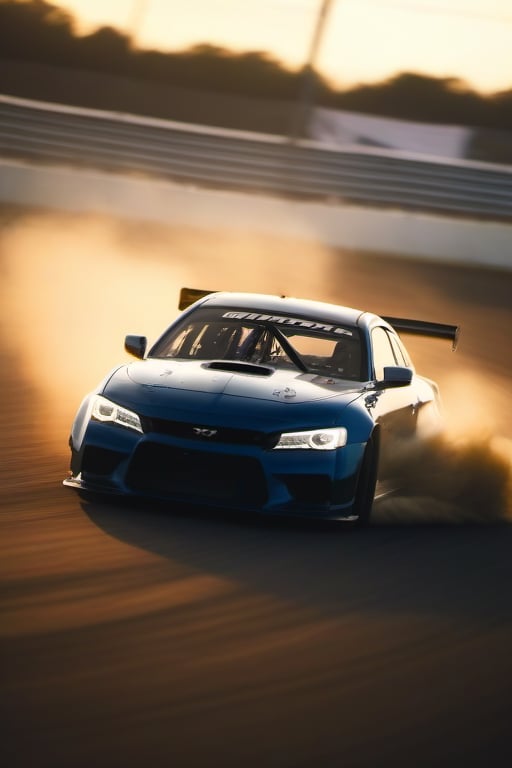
[143, 636]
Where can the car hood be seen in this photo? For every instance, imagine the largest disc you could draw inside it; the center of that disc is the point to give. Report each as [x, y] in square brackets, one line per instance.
[237, 380]
[194, 389]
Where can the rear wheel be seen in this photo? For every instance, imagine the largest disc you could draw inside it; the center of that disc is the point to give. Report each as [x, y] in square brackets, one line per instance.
[366, 483]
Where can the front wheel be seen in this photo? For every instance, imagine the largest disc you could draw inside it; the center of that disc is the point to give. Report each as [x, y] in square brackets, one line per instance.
[366, 483]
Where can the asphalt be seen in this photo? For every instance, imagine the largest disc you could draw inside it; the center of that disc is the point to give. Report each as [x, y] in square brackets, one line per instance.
[144, 636]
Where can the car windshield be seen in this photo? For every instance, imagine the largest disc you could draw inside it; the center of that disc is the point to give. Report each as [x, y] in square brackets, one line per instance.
[311, 346]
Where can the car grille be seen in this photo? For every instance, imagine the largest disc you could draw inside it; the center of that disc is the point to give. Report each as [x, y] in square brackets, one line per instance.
[220, 434]
[197, 476]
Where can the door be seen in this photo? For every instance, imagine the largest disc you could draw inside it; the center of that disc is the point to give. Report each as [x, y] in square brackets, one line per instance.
[395, 408]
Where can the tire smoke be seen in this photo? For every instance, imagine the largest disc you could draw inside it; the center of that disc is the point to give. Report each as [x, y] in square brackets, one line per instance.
[449, 480]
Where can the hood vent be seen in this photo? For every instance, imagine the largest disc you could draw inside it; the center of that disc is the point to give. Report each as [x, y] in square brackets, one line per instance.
[235, 367]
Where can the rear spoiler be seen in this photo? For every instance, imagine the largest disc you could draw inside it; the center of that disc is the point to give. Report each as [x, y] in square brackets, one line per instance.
[189, 295]
[424, 328]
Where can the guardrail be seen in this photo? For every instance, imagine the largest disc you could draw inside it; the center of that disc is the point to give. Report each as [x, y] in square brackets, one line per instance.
[221, 158]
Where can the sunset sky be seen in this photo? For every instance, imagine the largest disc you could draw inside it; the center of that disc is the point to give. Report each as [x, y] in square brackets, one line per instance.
[363, 41]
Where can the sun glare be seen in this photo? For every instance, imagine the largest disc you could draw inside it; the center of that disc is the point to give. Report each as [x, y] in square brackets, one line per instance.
[363, 40]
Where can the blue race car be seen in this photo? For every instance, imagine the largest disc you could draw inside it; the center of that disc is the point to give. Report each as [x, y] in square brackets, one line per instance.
[257, 403]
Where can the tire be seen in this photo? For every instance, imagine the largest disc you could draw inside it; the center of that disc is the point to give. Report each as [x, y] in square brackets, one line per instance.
[366, 483]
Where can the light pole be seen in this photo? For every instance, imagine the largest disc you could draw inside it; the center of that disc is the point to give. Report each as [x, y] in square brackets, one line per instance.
[304, 104]
[139, 10]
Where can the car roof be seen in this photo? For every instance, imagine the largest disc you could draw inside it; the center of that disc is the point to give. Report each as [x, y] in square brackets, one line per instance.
[290, 306]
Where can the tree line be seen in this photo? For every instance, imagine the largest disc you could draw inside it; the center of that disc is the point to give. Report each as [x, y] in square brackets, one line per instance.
[38, 31]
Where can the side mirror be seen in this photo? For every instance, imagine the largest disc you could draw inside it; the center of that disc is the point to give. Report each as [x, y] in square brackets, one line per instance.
[396, 376]
[136, 345]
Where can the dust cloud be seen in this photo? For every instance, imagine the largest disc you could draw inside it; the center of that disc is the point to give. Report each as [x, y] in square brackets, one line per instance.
[73, 286]
[464, 474]
[450, 479]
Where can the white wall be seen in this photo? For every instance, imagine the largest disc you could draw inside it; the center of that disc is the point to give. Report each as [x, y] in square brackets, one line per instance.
[419, 235]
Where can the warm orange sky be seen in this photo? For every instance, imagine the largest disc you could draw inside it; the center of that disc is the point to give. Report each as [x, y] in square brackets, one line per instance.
[364, 40]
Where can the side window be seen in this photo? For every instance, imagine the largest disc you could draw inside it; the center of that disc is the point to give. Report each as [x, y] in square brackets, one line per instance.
[405, 354]
[398, 350]
[382, 352]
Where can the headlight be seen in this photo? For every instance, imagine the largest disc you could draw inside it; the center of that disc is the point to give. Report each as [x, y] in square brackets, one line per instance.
[104, 410]
[318, 439]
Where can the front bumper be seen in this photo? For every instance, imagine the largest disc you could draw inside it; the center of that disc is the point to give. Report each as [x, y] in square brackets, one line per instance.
[115, 460]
